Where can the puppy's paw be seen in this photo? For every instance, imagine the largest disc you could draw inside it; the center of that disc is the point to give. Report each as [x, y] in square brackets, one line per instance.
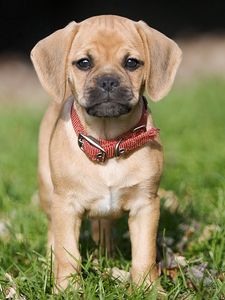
[72, 282]
[154, 288]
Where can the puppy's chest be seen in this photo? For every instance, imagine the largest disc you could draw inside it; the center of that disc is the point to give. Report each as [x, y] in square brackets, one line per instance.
[112, 190]
[107, 204]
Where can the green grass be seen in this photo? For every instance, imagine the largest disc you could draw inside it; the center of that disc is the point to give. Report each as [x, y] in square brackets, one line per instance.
[192, 126]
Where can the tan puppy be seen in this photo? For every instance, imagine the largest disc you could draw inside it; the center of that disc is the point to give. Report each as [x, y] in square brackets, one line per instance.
[101, 67]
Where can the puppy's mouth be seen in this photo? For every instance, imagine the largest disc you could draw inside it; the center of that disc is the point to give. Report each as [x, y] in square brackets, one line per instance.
[108, 109]
[109, 101]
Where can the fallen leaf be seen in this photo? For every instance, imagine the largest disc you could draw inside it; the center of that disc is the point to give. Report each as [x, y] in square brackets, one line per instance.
[198, 275]
[181, 260]
[169, 260]
[172, 262]
[8, 277]
[172, 273]
[208, 231]
[35, 199]
[19, 237]
[221, 276]
[95, 264]
[186, 296]
[171, 200]
[188, 231]
[4, 232]
[190, 285]
[121, 275]
[10, 293]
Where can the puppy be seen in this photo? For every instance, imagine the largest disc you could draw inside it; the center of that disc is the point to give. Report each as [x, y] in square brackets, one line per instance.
[99, 153]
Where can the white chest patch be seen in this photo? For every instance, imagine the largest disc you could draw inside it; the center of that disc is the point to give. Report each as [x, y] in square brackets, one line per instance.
[108, 204]
[110, 201]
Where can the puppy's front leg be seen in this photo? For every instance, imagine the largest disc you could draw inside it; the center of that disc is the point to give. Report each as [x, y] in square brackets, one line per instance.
[66, 229]
[143, 225]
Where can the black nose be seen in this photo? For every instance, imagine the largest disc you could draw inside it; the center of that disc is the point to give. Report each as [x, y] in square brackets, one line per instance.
[108, 83]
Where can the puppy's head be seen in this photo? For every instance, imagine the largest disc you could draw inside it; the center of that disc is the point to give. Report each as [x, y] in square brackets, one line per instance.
[107, 62]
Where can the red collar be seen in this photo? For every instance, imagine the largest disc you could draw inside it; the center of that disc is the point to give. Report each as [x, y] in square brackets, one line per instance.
[100, 150]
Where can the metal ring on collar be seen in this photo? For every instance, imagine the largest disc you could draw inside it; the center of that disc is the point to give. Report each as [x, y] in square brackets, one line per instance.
[119, 151]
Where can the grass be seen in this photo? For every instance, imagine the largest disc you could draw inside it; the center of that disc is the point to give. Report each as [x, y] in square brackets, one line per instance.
[192, 130]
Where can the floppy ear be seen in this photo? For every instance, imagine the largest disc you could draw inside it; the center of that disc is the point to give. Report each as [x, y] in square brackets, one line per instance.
[163, 57]
[49, 57]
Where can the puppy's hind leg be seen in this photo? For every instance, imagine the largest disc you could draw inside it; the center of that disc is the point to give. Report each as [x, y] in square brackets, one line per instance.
[101, 234]
[44, 172]
[45, 195]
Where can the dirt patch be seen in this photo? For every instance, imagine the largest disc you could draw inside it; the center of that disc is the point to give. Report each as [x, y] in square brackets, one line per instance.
[203, 56]
[19, 83]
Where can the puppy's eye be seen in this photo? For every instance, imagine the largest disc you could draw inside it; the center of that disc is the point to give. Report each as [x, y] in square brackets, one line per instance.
[132, 64]
[83, 64]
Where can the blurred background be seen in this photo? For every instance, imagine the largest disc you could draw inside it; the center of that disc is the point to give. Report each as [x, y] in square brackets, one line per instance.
[191, 119]
[198, 27]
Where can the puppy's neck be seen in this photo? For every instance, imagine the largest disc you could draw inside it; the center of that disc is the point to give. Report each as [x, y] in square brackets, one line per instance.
[109, 128]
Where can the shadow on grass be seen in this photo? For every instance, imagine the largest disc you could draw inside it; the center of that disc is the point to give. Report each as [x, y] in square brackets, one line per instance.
[170, 234]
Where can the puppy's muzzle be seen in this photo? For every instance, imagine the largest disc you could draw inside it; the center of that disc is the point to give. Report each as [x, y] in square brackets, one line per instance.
[108, 98]
[108, 83]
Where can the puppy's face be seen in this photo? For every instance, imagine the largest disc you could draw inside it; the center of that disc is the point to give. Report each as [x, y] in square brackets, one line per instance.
[108, 62]
[106, 68]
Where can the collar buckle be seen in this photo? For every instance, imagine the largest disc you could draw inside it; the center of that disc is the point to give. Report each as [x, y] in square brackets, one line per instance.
[139, 128]
[101, 155]
[118, 151]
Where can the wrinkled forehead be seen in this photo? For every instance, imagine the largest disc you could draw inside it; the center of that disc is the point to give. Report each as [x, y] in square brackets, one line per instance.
[107, 34]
